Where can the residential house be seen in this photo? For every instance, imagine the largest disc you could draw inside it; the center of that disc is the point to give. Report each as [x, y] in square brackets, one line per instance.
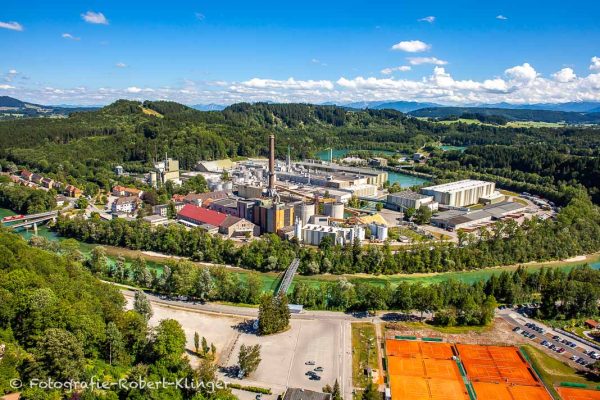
[163, 209]
[126, 204]
[37, 178]
[122, 191]
[48, 183]
[26, 175]
[305, 394]
[72, 191]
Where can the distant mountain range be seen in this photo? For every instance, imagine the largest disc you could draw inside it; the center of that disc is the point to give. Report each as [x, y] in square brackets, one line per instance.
[209, 107]
[512, 114]
[571, 113]
[13, 108]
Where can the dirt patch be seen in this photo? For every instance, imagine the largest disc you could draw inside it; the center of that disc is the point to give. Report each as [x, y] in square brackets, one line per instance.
[500, 333]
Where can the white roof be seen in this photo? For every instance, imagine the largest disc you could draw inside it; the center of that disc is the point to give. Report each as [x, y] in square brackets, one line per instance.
[458, 185]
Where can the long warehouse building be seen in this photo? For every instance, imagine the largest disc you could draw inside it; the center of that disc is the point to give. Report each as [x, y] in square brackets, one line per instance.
[460, 193]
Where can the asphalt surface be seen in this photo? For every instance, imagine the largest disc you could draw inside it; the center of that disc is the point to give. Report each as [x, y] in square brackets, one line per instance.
[515, 319]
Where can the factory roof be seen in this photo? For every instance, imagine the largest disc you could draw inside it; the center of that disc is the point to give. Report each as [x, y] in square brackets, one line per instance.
[221, 194]
[409, 194]
[336, 167]
[457, 186]
[202, 215]
[305, 394]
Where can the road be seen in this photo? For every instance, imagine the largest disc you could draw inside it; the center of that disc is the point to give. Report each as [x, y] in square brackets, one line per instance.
[516, 319]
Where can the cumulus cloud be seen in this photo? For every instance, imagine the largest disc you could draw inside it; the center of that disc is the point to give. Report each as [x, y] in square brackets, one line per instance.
[121, 65]
[411, 46]
[12, 25]
[517, 85]
[565, 75]
[290, 83]
[501, 17]
[524, 73]
[70, 37]
[430, 19]
[426, 60]
[402, 68]
[595, 64]
[94, 18]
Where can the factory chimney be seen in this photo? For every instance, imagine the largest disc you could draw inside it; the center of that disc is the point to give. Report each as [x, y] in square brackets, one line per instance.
[271, 165]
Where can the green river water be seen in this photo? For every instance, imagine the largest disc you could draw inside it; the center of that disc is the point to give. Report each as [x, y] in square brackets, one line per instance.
[270, 279]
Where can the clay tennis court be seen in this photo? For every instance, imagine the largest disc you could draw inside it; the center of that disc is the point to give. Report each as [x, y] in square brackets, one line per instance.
[503, 391]
[578, 394]
[415, 388]
[407, 348]
[424, 371]
[495, 364]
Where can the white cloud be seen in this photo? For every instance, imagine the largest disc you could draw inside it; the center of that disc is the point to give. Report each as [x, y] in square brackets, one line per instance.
[412, 46]
[402, 68]
[430, 19]
[595, 64]
[565, 75]
[70, 37]
[94, 18]
[524, 73]
[290, 83]
[13, 26]
[13, 71]
[426, 60]
[501, 17]
[121, 65]
[518, 85]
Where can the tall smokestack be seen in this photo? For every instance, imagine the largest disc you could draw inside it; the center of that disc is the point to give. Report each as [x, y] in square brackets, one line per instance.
[271, 163]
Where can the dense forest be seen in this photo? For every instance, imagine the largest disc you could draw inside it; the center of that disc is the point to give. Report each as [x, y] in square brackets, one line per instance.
[133, 134]
[60, 323]
[575, 231]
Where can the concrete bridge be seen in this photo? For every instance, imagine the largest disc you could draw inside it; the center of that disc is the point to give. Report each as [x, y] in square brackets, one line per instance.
[31, 220]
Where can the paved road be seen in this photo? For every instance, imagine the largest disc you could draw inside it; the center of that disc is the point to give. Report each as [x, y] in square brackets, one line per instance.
[516, 319]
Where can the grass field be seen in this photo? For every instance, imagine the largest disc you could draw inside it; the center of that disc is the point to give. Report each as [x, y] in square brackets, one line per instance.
[553, 372]
[451, 330]
[364, 352]
[511, 124]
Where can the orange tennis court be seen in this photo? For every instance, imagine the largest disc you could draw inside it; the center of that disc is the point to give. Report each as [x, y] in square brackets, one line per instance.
[415, 388]
[502, 391]
[408, 348]
[578, 394]
[424, 371]
[496, 364]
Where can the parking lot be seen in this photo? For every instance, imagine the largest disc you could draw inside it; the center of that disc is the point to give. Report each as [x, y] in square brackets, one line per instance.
[551, 341]
[284, 355]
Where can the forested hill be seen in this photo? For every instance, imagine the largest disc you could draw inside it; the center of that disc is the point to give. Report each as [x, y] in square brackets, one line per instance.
[511, 114]
[11, 108]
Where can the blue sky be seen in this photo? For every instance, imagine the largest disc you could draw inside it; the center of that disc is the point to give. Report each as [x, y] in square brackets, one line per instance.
[91, 52]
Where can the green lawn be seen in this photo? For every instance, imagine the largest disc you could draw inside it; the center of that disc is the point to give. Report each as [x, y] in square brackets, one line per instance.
[364, 352]
[553, 372]
[452, 330]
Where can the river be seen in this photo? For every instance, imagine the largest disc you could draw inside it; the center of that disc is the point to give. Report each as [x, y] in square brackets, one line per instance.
[269, 279]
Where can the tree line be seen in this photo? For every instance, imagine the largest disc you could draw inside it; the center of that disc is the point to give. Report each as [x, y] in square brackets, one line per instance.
[575, 231]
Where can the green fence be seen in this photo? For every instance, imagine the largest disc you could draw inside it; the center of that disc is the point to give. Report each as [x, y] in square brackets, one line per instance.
[432, 339]
[573, 385]
[406, 337]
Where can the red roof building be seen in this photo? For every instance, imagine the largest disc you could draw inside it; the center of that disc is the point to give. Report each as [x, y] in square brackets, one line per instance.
[592, 324]
[200, 216]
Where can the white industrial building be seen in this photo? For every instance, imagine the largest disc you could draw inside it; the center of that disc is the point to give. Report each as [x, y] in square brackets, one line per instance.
[460, 193]
[313, 234]
[409, 199]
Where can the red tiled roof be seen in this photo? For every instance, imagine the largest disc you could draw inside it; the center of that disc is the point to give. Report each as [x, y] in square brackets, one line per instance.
[202, 215]
[592, 323]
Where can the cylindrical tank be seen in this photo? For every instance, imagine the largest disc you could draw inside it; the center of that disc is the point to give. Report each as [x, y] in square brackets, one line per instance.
[334, 210]
[304, 211]
[379, 231]
[153, 181]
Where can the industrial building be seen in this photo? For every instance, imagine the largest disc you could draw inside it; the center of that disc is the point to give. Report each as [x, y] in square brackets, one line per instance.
[313, 234]
[409, 199]
[164, 171]
[373, 176]
[458, 219]
[461, 193]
